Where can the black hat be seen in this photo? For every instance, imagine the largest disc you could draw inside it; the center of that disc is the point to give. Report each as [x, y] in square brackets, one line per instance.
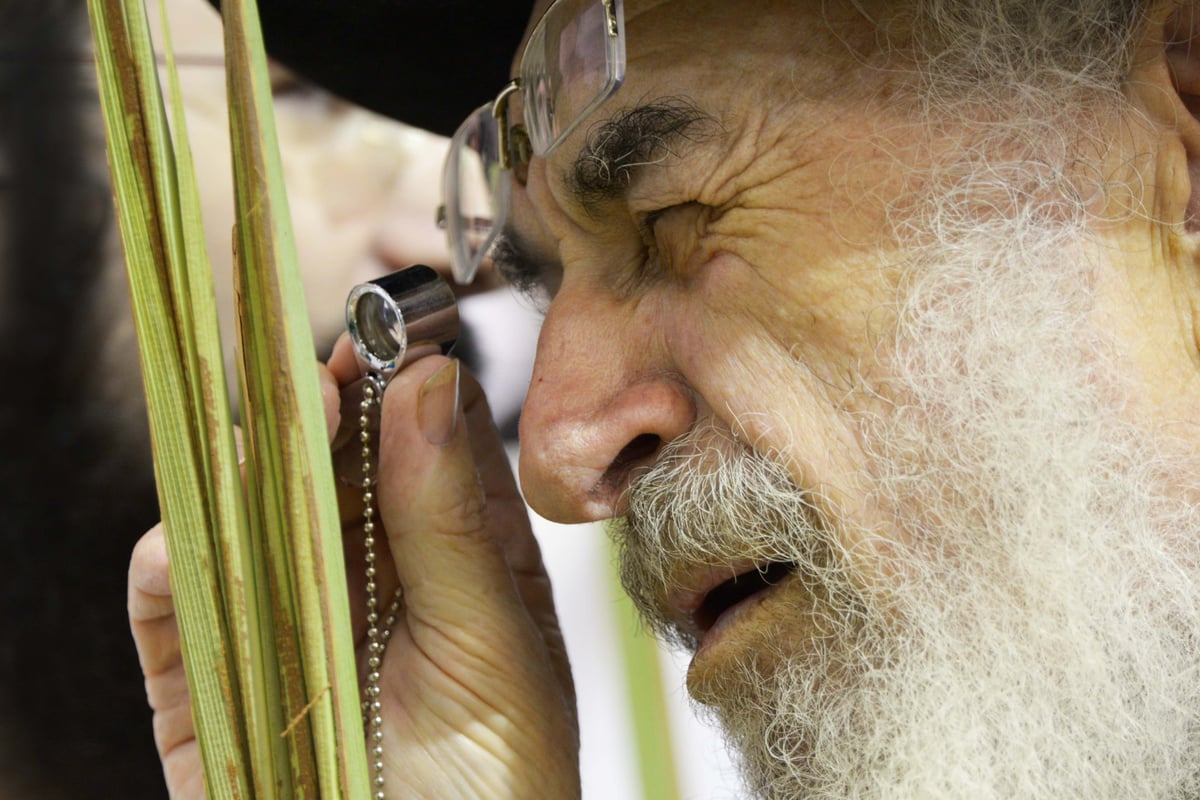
[428, 63]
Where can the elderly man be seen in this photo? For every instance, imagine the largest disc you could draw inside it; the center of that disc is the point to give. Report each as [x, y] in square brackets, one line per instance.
[874, 327]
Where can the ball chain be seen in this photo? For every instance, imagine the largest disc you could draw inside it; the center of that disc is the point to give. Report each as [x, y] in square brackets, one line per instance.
[377, 635]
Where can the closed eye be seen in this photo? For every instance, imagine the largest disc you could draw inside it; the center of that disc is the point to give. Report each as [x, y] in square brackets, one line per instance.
[667, 233]
[648, 221]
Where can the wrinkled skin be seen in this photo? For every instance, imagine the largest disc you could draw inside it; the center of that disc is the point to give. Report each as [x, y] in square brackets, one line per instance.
[755, 255]
[769, 265]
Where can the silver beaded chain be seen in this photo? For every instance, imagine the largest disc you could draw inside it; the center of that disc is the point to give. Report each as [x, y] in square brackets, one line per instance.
[377, 635]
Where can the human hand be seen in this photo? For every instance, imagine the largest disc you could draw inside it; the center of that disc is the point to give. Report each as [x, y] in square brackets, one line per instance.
[476, 692]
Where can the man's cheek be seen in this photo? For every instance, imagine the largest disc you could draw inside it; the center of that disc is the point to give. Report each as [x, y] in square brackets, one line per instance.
[771, 400]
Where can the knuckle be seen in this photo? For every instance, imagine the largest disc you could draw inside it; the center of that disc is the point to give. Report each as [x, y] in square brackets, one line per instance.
[463, 515]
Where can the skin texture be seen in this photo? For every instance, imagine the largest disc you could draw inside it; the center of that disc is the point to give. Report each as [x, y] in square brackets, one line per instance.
[651, 336]
[756, 255]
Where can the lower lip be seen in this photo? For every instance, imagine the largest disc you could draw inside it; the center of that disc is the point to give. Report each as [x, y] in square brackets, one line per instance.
[730, 616]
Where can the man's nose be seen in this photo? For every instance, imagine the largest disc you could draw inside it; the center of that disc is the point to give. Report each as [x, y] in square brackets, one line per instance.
[602, 402]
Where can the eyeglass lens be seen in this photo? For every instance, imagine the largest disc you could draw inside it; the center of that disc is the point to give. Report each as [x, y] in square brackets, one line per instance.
[571, 64]
[476, 192]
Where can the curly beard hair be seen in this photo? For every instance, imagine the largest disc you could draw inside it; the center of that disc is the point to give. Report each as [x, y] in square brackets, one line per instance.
[1038, 630]
[1037, 633]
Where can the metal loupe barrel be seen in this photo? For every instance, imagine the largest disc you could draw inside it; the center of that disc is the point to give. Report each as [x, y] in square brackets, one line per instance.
[396, 319]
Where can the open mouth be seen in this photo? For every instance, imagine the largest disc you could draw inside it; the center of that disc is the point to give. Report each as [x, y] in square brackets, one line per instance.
[737, 590]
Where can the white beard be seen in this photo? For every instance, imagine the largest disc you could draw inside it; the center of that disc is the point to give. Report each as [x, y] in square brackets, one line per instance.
[1037, 634]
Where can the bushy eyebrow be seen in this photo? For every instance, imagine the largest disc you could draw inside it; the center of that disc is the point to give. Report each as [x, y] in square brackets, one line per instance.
[630, 140]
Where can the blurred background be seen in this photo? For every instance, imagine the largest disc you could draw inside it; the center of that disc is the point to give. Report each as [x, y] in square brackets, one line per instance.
[76, 486]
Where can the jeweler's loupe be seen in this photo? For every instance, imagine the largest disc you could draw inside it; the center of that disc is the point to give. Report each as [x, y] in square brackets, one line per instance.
[403, 316]
[393, 321]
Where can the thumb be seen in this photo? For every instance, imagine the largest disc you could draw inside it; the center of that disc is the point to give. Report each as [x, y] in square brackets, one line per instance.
[454, 571]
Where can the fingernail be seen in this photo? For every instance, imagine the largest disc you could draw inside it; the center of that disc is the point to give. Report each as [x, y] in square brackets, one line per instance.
[437, 406]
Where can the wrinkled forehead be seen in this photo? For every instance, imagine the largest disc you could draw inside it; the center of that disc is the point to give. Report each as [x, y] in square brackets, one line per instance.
[730, 34]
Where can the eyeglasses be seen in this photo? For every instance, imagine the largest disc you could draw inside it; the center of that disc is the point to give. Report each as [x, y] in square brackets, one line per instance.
[573, 62]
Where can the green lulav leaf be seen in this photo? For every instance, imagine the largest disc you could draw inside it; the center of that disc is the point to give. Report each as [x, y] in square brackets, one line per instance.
[257, 575]
[296, 502]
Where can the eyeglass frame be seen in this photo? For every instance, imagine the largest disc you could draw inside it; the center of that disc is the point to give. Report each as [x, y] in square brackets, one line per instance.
[508, 137]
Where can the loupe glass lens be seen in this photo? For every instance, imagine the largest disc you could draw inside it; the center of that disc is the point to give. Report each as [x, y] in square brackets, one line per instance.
[399, 317]
[378, 323]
